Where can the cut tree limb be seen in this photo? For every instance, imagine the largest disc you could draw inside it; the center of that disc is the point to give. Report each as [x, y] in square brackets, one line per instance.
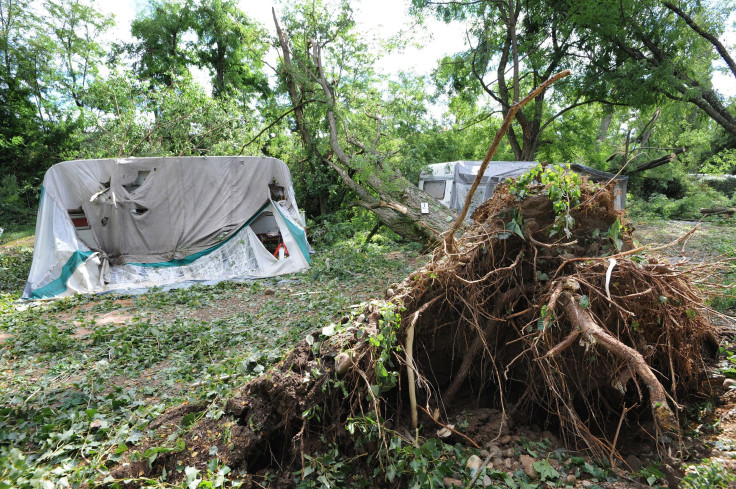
[717, 210]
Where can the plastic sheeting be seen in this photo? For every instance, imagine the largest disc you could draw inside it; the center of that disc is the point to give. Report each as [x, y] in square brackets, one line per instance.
[160, 222]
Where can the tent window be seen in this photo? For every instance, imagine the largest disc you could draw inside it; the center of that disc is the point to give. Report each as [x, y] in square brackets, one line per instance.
[79, 218]
[277, 192]
[139, 179]
[436, 189]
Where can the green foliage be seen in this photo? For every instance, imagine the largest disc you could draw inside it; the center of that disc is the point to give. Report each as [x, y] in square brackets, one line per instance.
[181, 119]
[79, 391]
[560, 184]
[723, 162]
[709, 474]
[696, 196]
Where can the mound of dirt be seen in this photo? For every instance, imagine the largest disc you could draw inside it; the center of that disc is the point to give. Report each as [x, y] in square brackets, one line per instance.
[579, 335]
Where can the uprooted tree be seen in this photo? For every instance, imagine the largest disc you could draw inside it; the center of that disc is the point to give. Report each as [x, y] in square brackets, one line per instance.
[543, 311]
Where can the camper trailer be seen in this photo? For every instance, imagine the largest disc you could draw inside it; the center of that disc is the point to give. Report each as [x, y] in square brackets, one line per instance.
[130, 224]
[450, 182]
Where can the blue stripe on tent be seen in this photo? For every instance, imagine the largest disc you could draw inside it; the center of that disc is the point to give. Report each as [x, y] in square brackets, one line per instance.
[58, 286]
[299, 235]
[189, 259]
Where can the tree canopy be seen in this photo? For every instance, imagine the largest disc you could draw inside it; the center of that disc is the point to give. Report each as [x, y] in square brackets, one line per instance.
[203, 77]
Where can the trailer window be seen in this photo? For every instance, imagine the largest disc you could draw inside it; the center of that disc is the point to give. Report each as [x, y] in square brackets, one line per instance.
[435, 189]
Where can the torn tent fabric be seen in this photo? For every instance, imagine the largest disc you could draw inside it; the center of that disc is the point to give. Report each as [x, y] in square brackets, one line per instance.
[130, 224]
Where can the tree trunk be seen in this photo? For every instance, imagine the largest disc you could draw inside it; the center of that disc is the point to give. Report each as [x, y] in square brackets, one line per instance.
[398, 210]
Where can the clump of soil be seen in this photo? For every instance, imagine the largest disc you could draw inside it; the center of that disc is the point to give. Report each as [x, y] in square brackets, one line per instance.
[576, 335]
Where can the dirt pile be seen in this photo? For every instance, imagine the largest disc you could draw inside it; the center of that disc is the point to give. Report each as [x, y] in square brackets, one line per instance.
[578, 333]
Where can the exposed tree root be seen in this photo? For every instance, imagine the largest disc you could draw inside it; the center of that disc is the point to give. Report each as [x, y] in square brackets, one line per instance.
[544, 330]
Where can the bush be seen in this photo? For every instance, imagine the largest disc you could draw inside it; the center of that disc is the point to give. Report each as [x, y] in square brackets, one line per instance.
[696, 196]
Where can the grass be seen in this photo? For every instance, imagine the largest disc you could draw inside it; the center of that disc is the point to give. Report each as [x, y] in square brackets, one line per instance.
[82, 377]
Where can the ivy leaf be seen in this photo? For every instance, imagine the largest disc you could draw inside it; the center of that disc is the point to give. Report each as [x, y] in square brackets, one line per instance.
[584, 302]
[545, 469]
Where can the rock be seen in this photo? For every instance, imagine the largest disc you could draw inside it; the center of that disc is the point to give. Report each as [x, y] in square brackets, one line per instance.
[527, 463]
[269, 291]
[571, 479]
[484, 453]
[549, 436]
[729, 384]
[360, 319]
[344, 361]
[474, 462]
[495, 451]
[452, 482]
[497, 462]
[509, 452]
[634, 463]
[554, 463]
[507, 463]
[390, 293]
[489, 465]
[587, 483]
[505, 440]
[516, 438]
[487, 481]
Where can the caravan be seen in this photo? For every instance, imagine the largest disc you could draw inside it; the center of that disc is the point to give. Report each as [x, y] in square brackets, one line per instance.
[134, 223]
[450, 182]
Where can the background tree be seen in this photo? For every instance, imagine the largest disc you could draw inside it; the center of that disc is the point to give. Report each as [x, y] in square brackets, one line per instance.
[49, 55]
[161, 52]
[514, 45]
[641, 51]
[231, 46]
[325, 65]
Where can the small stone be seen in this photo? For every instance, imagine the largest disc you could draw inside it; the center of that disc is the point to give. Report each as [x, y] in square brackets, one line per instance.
[527, 463]
[571, 479]
[484, 453]
[497, 462]
[360, 319]
[505, 440]
[452, 482]
[344, 361]
[390, 293]
[587, 483]
[474, 462]
[509, 452]
[729, 384]
[269, 291]
[516, 438]
[487, 481]
[507, 463]
[489, 465]
[554, 463]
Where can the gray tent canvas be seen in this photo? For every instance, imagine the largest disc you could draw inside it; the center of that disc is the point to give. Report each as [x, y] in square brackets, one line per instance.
[134, 223]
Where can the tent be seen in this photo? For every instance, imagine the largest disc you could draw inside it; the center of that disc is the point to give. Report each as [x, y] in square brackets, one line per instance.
[130, 224]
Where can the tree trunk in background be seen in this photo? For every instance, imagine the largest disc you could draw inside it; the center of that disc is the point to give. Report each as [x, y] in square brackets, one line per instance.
[390, 196]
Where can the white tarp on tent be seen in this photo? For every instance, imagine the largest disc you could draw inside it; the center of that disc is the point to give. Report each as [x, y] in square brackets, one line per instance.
[130, 224]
